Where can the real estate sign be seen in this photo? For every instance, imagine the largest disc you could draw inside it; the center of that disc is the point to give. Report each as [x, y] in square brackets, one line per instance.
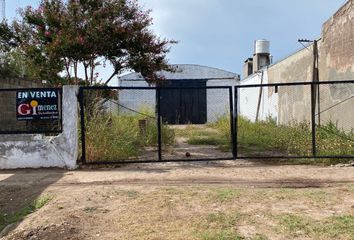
[37, 104]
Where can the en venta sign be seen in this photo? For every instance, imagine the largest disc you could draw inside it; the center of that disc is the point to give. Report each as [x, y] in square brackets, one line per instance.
[37, 105]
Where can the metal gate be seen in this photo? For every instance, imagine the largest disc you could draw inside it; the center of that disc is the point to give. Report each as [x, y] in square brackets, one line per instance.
[136, 124]
[301, 120]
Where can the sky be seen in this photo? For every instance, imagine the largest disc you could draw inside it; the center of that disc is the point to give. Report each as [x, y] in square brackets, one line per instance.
[221, 33]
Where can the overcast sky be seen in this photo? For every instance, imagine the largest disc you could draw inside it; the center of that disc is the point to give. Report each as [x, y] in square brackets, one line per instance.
[220, 33]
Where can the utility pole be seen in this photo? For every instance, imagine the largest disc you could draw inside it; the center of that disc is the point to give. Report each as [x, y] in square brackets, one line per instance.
[315, 76]
[315, 93]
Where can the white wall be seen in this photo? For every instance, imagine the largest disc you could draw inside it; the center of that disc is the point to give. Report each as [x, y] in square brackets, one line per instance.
[37, 150]
[218, 103]
[134, 98]
[217, 99]
[249, 98]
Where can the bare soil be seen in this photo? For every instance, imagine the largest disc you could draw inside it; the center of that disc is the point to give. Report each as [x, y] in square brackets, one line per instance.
[195, 200]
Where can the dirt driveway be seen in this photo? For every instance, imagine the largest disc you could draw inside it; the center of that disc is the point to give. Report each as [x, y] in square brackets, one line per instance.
[201, 200]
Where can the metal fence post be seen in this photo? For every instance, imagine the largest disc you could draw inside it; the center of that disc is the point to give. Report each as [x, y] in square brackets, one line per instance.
[159, 124]
[82, 122]
[232, 123]
[313, 118]
[235, 121]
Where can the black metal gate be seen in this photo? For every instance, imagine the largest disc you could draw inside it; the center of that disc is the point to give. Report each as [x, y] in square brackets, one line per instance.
[301, 120]
[137, 124]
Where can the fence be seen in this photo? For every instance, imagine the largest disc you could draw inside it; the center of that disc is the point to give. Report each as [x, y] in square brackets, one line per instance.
[295, 120]
[143, 124]
[30, 110]
[282, 120]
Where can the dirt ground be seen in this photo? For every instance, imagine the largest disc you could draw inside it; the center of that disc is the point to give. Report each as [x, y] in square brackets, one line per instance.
[195, 200]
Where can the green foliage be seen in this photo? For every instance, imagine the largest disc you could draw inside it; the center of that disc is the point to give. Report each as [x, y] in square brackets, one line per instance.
[220, 226]
[60, 35]
[118, 137]
[226, 194]
[294, 223]
[221, 235]
[336, 227]
[268, 136]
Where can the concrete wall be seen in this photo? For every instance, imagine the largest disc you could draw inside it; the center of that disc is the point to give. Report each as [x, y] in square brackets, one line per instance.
[8, 120]
[295, 68]
[336, 51]
[9, 82]
[337, 45]
[36, 150]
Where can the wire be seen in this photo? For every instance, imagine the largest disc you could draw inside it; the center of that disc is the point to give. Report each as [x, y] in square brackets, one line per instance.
[181, 79]
[337, 134]
[334, 105]
[144, 114]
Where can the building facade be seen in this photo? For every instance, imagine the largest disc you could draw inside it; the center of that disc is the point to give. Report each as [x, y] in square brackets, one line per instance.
[196, 105]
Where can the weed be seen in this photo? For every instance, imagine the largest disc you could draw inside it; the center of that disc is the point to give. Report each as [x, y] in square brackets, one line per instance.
[226, 194]
[318, 196]
[295, 224]
[89, 209]
[118, 137]
[220, 226]
[336, 227]
[221, 235]
[294, 139]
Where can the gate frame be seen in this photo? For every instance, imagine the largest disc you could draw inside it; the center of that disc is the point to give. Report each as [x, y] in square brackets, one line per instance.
[81, 98]
[313, 115]
[233, 109]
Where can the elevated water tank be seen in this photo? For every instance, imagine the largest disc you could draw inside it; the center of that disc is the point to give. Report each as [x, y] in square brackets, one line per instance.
[261, 47]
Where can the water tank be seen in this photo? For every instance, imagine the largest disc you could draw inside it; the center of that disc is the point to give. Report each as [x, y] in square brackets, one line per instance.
[261, 46]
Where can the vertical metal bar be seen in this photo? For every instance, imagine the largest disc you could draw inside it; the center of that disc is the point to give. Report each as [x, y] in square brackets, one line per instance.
[232, 122]
[318, 105]
[235, 121]
[82, 121]
[313, 118]
[61, 109]
[159, 124]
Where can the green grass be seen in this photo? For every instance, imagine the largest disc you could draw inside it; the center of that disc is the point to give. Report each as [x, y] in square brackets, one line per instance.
[220, 226]
[221, 235]
[119, 137]
[6, 219]
[225, 194]
[211, 135]
[332, 227]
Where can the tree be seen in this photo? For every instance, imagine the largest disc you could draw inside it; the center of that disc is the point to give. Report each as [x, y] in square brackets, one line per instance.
[61, 35]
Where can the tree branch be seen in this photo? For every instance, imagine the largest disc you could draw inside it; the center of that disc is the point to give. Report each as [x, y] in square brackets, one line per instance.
[110, 78]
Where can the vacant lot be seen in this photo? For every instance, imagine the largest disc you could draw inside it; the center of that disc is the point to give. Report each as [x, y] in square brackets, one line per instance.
[223, 200]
